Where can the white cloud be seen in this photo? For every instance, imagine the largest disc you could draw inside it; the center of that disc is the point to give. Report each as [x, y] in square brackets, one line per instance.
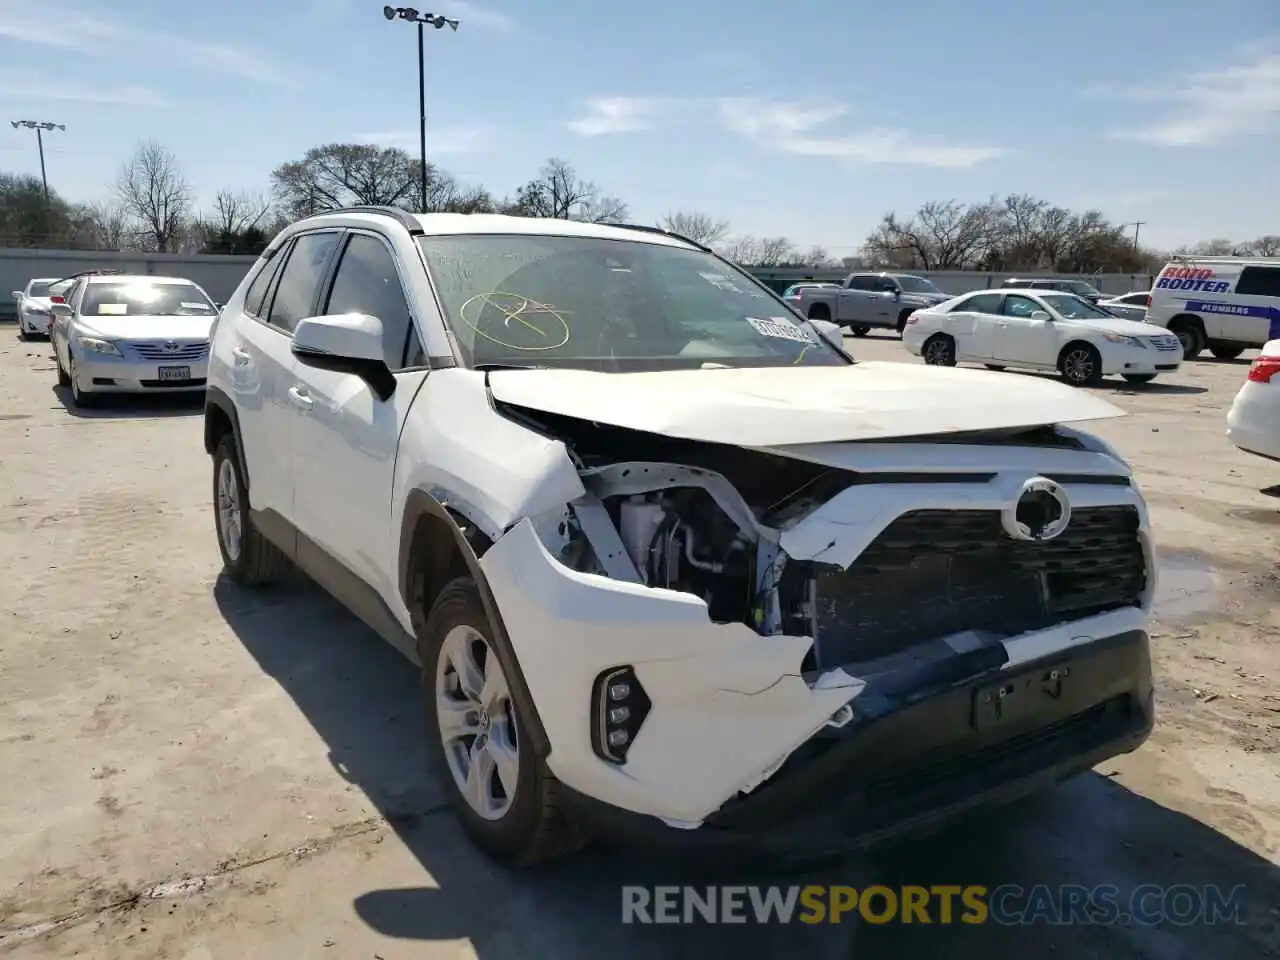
[33, 21]
[472, 14]
[794, 127]
[1207, 106]
[13, 88]
[607, 115]
[441, 141]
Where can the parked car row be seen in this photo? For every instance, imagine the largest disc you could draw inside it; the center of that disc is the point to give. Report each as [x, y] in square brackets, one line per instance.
[115, 333]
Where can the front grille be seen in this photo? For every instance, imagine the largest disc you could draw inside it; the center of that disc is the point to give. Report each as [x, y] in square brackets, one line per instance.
[185, 352]
[934, 573]
[1168, 342]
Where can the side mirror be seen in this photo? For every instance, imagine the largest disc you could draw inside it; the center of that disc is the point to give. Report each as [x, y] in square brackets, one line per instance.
[345, 343]
[1040, 315]
[17, 295]
[60, 309]
[218, 304]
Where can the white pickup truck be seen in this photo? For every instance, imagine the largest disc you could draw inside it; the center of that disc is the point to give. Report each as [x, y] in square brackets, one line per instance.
[867, 300]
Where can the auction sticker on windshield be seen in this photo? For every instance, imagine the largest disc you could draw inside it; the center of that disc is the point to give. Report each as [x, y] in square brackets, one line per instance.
[780, 328]
[721, 282]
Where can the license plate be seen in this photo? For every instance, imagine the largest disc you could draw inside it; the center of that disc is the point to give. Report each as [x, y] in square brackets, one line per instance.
[175, 373]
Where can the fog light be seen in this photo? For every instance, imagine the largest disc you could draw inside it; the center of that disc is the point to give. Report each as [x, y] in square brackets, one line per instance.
[619, 706]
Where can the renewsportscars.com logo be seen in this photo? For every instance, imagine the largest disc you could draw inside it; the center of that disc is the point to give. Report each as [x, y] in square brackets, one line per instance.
[1007, 905]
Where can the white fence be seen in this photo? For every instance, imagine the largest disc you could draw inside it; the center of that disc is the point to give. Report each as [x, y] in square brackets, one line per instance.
[220, 275]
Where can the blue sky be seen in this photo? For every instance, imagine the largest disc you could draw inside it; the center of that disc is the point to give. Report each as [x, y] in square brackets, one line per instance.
[807, 119]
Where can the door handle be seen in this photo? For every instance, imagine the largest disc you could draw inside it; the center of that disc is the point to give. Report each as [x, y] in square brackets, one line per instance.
[299, 398]
[241, 356]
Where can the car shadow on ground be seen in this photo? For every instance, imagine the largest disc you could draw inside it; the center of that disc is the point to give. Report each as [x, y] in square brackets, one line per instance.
[147, 406]
[363, 699]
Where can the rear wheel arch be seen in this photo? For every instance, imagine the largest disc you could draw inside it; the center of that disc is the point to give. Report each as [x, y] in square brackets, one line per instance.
[438, 544]
[819, 311]
[220, 419]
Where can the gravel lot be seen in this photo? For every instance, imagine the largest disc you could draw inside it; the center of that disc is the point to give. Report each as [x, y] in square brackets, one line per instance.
[190, 772]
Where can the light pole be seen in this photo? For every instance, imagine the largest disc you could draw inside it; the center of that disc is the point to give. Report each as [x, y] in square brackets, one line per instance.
[40, 126]
[439, 22]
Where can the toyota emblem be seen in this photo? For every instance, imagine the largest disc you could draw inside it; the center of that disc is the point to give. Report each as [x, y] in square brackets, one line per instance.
[172, 346]
[1041, 511]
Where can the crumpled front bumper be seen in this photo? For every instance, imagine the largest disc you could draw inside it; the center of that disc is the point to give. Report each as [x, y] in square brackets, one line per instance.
[729, 706]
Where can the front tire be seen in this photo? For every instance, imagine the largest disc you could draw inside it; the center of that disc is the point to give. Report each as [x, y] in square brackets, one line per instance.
[1081, 365]
[63, 379]
[860, 330]
[993, 366]
[507, 799]
[81, 399]
[249, 558]
[939, 350]
[1139, 377]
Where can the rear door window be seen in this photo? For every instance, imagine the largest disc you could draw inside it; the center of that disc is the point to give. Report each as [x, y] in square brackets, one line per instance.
[299, 285]
[982, 303]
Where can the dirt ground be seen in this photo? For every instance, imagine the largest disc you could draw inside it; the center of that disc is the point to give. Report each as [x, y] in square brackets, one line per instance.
[193, 773]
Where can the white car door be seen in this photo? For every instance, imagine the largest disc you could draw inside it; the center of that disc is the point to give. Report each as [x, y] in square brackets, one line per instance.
[973, 326]
[347, 436]
[263, 369]
[1021, 340]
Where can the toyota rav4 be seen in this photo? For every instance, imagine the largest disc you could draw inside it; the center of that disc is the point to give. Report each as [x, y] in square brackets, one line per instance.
[672, 564]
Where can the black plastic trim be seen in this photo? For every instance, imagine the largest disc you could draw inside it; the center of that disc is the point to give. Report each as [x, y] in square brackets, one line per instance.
[420, 504]
[214, 397]
[375, 373]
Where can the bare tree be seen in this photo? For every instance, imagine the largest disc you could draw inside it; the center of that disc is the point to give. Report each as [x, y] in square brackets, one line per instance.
[237, 212]
[104, 226]
[1267, 246]
[743, 250]
[347, 174]
[774, 252]
[152, 188]
[699, 227]
[559, 193]
[818, 256]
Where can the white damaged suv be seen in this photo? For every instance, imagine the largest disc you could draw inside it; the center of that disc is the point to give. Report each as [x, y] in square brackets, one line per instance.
[673, 565]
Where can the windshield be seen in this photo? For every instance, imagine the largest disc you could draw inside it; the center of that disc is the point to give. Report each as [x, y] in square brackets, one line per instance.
[916, 285]
[1083, 289]
[610, 305]
[1075, 308]
[146, 299]
[39, 288]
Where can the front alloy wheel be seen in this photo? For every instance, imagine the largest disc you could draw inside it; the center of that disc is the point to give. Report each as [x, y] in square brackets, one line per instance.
[477, 723]
[940, 351]
[1082, 366]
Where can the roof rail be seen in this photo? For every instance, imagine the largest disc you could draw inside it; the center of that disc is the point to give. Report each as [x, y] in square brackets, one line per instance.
[1220, 258]
[87, 273]
[662, 231]
[403, 217]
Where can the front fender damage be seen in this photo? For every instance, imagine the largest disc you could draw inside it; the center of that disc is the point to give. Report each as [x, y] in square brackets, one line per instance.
[734, 704]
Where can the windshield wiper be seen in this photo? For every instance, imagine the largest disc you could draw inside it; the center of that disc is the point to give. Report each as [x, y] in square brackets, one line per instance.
[486, 367]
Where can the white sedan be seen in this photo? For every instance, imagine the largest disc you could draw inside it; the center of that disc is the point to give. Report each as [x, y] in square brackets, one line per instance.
[1035, 330]
[1253, 424]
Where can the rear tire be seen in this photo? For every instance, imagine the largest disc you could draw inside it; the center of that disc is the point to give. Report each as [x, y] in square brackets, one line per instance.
[249, 558]
[859, 330]
[993, 366]
[1226, 353]
[1139, 377]
[527, 824]
[820, 312]
[939, 350]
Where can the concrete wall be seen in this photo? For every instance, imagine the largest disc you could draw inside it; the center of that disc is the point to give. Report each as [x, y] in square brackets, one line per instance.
[220, 275]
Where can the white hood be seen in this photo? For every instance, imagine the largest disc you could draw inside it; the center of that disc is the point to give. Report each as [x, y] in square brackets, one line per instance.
[1126, 328]
[775, 406]
[147, 328]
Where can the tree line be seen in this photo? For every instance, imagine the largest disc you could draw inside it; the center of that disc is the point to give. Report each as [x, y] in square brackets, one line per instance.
[153, 208]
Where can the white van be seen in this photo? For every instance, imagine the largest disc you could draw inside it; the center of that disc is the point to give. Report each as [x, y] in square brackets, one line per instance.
[1227, 304]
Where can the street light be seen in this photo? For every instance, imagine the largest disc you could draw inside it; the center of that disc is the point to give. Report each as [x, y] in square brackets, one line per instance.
[439, 22]
[40, 126]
